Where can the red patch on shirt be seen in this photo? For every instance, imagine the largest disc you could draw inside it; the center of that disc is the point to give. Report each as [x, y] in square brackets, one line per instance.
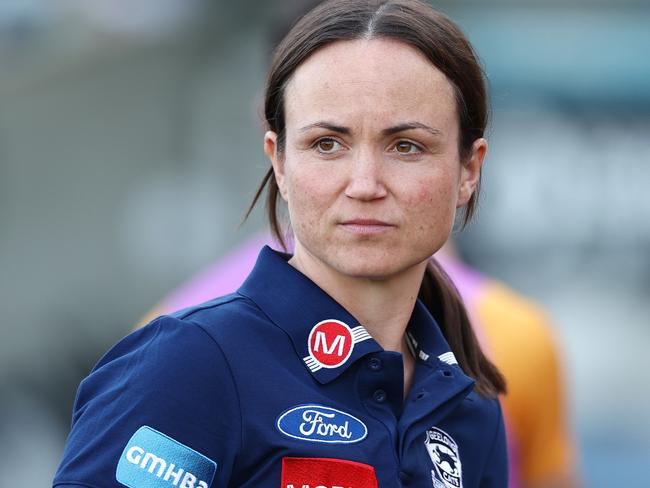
[326, 473]
[330, 343]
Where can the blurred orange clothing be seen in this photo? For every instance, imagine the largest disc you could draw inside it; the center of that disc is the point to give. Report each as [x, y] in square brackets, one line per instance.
[518, 338]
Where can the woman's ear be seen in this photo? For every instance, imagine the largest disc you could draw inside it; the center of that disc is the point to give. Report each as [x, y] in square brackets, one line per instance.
[470, 171]
[271, 151]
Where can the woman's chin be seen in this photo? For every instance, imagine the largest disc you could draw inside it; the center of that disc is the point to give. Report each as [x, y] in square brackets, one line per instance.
[374, 266]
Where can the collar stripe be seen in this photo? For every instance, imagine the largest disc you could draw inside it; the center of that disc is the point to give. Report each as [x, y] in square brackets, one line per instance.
[312, 364]
[359, 334]
[448, 358]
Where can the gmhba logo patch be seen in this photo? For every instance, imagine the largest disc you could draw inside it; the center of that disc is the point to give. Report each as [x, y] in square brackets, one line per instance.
[152, 459]
[443, 451]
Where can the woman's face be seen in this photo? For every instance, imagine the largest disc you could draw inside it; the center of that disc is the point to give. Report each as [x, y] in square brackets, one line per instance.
[371, 171]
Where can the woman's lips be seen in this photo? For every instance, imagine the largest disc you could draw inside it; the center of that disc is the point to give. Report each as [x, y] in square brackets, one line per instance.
[366, 226]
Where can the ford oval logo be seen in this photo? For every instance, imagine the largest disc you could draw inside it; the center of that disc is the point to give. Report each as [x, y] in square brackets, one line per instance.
[317, 423]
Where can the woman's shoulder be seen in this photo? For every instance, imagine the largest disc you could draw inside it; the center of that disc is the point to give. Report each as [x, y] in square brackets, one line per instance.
[218, 310]
[486, 409]
[176, 338]
[485, 414]
[224, 319]
[485, 444]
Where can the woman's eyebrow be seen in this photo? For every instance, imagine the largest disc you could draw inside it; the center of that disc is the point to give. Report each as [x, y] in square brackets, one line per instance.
[408, 126]
[327, 125]
[386, 132]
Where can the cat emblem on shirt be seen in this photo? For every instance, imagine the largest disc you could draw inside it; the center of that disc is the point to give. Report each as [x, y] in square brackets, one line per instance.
[443, 451]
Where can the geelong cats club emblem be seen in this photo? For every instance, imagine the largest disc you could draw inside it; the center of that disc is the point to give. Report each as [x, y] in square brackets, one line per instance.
[443, 451]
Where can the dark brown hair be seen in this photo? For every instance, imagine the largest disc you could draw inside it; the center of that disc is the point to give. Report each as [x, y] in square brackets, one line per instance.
[442, 42]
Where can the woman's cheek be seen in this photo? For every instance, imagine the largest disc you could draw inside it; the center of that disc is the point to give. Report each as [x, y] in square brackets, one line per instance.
[433, 205]
[307, 204]
[427, 194]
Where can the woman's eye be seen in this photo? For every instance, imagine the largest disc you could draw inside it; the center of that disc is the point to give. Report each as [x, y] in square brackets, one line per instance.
[327, 146]
[406, 147]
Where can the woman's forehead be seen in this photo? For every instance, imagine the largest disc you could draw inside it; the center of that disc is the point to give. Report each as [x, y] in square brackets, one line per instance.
[376, 77]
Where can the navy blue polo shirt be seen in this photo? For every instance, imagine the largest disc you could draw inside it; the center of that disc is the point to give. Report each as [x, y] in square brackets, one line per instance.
[277, 385]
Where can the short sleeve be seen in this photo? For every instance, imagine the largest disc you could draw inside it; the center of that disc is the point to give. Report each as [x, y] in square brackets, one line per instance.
[160, 406]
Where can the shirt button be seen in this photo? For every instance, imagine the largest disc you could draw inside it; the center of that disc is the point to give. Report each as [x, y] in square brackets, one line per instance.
[375, 364]
[404, 477]
[379, 396]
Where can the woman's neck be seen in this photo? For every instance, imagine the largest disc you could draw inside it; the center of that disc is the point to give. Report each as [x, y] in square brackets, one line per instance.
[382, 306]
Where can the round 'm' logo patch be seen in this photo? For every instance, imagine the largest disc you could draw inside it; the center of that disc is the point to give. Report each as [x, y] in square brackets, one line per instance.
[443, 452]
[330, 343]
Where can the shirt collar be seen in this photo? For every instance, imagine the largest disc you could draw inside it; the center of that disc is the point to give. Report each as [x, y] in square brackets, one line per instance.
[326, 337]
[428, 343]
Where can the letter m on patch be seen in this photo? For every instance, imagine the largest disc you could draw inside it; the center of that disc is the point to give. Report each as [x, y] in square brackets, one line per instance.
[321, 340]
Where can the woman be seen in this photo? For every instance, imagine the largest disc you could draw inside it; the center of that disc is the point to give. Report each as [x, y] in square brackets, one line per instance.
[324, 369]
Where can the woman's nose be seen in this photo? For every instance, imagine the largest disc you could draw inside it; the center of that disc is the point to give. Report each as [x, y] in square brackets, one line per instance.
[366, 180]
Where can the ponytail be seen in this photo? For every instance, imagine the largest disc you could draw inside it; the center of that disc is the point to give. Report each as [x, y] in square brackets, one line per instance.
[443, 301]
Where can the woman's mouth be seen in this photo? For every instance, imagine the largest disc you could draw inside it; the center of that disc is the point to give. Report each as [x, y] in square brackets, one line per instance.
[363, 226]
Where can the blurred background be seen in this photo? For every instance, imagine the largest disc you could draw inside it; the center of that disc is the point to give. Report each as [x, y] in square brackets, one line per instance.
[130, 147]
